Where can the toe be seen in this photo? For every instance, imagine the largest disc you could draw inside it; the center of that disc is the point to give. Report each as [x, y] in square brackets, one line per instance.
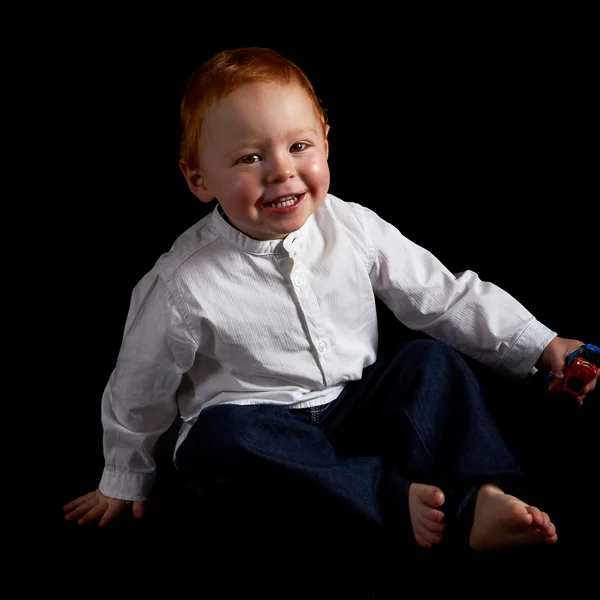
[536, 514]
[431, 537]
[434, 515]
[433, 496]
[422, 541]
[434, 527]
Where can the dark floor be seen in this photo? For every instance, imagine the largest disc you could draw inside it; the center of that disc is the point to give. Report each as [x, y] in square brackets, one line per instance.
[288, 562]
[222, 559]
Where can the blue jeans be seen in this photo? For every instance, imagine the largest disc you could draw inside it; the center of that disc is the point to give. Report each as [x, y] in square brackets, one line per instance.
[417, 415]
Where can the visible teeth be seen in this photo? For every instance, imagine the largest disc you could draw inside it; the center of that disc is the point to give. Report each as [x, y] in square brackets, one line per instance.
[287, 201]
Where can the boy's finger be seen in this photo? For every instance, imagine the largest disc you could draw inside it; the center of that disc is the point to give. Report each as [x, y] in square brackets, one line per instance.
[588, 388]
[78, 501]
[113, 510]
[81, 510]
[139, 509]
[93, 513]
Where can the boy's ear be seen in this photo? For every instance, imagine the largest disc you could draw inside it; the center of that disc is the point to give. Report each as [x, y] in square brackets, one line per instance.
[327, 128]
[195, 182]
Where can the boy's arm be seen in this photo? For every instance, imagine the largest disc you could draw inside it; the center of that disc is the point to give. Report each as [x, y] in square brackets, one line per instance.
[474, 316]
[138, 404]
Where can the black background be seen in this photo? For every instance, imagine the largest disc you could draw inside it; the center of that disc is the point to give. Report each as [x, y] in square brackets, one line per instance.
[477, 138]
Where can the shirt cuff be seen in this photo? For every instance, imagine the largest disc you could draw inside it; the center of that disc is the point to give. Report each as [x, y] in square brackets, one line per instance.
[527, 350]
[126, 485]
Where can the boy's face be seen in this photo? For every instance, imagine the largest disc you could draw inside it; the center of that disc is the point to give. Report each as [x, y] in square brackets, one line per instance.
[264, 158]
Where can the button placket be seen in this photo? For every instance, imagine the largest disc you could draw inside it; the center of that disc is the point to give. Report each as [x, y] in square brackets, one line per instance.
[300, 279]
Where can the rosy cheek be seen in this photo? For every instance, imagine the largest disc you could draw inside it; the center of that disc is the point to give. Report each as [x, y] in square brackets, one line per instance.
[319, 168]
[244, 184]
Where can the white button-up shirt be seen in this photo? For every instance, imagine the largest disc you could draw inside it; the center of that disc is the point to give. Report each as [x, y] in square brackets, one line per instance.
[223, 318]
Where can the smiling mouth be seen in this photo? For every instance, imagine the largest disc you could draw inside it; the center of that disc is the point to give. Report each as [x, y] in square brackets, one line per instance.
[286, 201]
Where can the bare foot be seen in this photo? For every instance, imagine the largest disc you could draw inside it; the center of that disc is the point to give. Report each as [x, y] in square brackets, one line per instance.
[427, 522]
[501, 521]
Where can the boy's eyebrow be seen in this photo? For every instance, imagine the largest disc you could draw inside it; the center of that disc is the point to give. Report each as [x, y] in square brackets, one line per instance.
[256, 143]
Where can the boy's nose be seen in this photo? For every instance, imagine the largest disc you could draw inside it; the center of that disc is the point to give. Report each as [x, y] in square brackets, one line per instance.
[280, 169]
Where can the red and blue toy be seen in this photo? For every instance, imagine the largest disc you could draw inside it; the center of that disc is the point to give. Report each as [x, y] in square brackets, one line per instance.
[581, 367]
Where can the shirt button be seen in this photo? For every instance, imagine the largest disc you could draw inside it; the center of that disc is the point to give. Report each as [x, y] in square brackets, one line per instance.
[321, 347]
[299, 281]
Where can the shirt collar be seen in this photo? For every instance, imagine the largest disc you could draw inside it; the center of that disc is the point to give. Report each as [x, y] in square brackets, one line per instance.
[290, 245]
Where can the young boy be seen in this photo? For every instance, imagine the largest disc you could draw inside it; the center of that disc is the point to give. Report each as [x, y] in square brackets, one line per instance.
[258, 328]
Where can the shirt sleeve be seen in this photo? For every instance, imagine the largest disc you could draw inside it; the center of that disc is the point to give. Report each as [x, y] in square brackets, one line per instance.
[139, 401]
[475, 317]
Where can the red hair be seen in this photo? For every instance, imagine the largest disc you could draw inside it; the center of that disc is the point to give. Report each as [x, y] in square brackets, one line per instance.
[224, 73]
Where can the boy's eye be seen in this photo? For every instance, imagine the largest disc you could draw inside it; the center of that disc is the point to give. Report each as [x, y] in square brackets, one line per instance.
[298, 147]
[250, 159]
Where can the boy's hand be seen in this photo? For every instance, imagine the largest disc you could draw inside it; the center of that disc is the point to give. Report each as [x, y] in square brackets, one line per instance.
[96, 505]
[554, 356]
